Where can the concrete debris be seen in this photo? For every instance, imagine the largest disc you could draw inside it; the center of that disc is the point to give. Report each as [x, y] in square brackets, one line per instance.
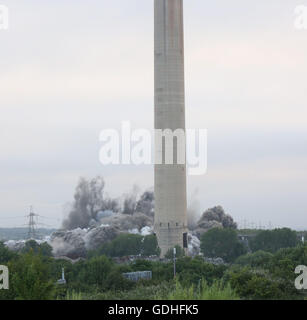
[75, 243]
[193, 245]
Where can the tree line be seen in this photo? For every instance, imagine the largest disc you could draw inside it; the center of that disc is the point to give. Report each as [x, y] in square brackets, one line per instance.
[263, 271]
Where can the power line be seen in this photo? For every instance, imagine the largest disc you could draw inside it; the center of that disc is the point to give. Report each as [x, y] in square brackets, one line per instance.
[5, 218]
[32, 234]
[31, 224]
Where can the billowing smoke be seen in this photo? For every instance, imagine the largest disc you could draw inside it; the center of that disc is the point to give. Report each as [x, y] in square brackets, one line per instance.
[127, 222]
[17, 245]
[94, 218]
[89, 200]
[129, 206]
[75, 243]
[211, 218]
[218, 214]
[214, 218]
[193, 245]
[146, 204]
[146, 231]
[193, 211]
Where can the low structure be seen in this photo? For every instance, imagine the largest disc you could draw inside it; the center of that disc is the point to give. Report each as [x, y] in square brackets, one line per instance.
[136, 276]
[62, 281]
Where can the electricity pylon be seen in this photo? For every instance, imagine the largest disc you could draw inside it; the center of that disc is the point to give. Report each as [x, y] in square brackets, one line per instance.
[32, 235]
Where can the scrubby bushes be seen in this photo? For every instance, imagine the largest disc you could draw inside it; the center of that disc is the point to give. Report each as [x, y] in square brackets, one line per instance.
[252, 284]
[217, 291]
[259, 275]
[258, 259]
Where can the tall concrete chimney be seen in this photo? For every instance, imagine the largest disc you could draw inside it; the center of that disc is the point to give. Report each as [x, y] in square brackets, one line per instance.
[170, 179]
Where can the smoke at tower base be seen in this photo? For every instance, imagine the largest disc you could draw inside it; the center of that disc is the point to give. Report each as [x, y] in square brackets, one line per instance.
[94, 219]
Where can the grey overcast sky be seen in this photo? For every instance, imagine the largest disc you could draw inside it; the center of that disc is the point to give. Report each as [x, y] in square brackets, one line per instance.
[70, 68]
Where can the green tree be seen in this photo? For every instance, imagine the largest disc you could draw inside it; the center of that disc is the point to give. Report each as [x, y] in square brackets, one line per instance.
[92, 273]
[123, 245]
[179, 253]
[222, 243]
[117, 282]
[30, 278]
[5, 254]
[150, 246]
[191, 271]
[252, 284]
[128, 245]
[142, 265]
[44, 248]
[285, 260]
[273, 240]
[258, 259]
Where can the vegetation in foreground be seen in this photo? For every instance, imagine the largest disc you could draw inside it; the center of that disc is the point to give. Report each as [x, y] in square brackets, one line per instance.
[266, 272]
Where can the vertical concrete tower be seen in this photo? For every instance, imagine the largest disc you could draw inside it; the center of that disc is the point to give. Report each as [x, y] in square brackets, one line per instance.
[170, 179]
